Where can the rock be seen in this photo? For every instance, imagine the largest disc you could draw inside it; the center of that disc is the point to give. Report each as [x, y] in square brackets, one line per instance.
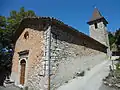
[80, 73]
[105, 82]
[110, 85]
[118, 85]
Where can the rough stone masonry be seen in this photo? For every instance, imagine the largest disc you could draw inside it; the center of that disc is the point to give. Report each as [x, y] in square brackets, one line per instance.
[70, 52]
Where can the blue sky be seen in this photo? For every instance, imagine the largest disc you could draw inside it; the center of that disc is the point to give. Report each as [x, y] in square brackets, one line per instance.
[72, 12]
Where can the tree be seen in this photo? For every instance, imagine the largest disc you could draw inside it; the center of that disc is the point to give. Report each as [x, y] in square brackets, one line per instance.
[112, 39]
[8, 26]
[15, 17]
[117, 35]
[2, 29]
[115, 39]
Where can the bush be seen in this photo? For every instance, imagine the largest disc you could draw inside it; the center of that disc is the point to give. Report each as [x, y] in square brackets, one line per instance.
[117, 66]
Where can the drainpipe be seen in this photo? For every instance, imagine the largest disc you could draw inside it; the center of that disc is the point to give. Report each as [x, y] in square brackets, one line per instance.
[49, 54]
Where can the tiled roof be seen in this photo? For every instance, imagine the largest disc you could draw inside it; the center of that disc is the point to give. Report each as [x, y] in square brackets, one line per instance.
[96, 16]
[58, 23]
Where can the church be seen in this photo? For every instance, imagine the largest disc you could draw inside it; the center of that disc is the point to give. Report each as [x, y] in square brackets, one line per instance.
[48, 53]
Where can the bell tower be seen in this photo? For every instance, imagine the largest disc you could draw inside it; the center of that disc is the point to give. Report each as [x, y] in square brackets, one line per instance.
[98, 28]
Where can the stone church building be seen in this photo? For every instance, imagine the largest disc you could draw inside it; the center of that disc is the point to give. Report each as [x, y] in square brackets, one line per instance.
[49, 53]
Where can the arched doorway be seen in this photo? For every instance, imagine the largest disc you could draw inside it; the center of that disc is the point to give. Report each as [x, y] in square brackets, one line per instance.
[22, 71]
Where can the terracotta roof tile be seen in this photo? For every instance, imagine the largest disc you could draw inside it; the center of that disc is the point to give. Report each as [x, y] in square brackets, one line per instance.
[59, 24]
[96, 16]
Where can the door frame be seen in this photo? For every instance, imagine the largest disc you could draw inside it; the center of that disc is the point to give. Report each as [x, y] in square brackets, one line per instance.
[26, 70]
[22, 71]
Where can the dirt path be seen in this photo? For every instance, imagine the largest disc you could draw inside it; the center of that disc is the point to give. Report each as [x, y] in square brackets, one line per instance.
[92, 79]
[11, 87]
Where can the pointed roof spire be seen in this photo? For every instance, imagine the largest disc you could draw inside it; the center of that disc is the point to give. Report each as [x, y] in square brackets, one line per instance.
[96, 16]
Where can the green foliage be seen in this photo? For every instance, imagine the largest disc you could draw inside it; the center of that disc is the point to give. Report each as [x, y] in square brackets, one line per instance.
[2, 21]
[5, 60]
[117, 66]
[117, 71]
[15, 17]
[117, 35]
[114, 39]
[8, 25]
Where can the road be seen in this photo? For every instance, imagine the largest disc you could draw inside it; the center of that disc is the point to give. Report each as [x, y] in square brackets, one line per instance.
[11, 87]
[92, 79]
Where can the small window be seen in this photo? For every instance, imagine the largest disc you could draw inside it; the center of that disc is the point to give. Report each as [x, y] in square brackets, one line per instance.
[26, 35]
[96, 26]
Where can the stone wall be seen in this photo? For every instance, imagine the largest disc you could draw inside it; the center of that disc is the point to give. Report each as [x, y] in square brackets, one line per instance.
[69, 55]
[35, 43]
[100, 33]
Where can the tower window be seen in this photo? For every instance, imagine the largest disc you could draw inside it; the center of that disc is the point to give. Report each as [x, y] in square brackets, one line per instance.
[96, 26]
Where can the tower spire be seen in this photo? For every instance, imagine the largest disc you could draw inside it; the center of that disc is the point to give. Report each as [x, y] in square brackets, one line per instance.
[96, 16]
[98, 27]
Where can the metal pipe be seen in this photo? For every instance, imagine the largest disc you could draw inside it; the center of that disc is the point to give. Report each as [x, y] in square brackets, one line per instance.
[49, 55]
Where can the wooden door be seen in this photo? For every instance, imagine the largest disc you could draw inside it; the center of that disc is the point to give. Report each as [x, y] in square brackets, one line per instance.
[22, 72]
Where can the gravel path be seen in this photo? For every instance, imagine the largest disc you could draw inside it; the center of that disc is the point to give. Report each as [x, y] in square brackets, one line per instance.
[92, 79]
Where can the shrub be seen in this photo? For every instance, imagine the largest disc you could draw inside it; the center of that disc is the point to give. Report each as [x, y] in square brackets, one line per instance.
[117, 66]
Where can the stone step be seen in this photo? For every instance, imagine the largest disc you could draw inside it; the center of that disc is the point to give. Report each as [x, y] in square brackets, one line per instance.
[9, 82]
